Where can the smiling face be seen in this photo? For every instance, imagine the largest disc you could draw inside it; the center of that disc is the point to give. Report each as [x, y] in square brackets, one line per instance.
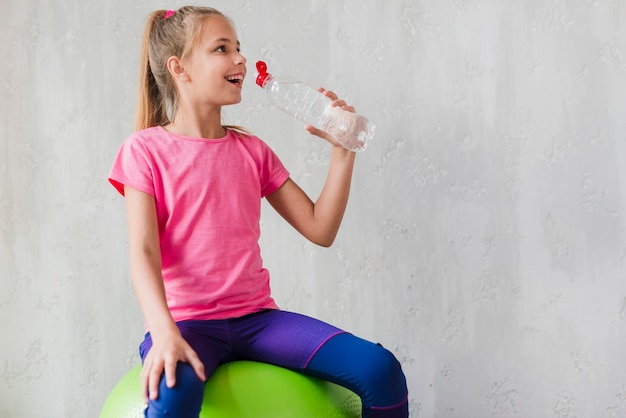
[215, 67]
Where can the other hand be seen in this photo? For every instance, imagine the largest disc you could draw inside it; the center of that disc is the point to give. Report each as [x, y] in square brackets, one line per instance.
[163, 357]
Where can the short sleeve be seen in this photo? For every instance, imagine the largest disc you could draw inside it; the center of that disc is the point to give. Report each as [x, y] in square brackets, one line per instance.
[132, 167]
[273, 174]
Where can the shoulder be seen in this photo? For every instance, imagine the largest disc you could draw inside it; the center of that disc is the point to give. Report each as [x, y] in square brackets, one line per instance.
[146, 136]
[146, 141]
[250, 141]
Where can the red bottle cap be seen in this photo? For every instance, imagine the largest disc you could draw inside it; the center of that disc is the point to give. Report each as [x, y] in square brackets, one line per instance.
[261, 79]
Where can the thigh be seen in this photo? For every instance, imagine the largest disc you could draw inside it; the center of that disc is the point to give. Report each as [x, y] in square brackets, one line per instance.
[283, 338]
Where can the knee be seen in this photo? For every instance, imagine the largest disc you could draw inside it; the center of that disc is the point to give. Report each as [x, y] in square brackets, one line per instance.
[385, 369]
[183, 400]
[366, 368]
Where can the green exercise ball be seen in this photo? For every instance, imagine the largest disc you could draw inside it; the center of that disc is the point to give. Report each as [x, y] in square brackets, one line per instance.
[247, 389]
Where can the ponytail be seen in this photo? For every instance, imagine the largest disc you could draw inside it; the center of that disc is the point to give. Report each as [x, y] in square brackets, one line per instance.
[151, 106]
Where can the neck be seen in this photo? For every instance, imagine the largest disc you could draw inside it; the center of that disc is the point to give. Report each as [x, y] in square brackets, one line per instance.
[198, 124]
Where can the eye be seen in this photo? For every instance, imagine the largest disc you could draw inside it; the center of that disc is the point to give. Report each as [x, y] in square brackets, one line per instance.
[221, 48]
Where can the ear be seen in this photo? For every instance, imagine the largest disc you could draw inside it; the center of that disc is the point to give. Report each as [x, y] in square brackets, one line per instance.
[177, 69]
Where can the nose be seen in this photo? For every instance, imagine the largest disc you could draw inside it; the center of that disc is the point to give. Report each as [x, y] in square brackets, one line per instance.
[240, 59]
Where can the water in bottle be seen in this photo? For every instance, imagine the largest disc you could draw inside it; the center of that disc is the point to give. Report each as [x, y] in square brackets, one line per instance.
[308, 105]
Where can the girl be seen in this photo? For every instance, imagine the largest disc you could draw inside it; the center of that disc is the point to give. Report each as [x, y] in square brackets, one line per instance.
[193, 189]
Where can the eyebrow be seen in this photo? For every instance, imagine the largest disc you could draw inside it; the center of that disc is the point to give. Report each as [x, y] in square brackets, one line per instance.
[227, 40]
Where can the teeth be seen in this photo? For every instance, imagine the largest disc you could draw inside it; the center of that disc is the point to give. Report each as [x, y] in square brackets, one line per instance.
[234, 77]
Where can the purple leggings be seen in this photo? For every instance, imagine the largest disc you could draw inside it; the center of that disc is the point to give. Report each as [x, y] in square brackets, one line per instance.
[288, 340]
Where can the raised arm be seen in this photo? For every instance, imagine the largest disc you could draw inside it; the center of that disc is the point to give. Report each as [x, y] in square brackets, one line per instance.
[319, 221]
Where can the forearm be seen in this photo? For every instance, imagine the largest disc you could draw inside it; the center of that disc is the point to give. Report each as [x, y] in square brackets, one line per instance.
[150, 291]
[331, 204]
[318, 221]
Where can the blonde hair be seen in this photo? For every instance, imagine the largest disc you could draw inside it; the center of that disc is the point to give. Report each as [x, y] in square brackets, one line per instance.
[164, 37]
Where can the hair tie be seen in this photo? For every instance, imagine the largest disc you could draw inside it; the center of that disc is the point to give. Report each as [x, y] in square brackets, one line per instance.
[169, 13]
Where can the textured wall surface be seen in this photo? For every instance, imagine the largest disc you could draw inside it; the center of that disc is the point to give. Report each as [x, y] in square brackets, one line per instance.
[485, 240]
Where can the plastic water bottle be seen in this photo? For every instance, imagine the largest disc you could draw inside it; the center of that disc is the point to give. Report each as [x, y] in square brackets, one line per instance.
[308, 105]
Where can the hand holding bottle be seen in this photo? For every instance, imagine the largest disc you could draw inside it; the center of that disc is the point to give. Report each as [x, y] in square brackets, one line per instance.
[335, 102]
[320, 109]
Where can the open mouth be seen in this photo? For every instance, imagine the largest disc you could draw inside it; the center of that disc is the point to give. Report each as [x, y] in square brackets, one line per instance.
[235, 79]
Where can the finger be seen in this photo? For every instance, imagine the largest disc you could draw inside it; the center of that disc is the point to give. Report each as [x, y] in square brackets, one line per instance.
[322, 134]
[339, 102]
[314, 131]
[328, 93]
[170, 373]
[197, 365]
[154, 378]
[349, 108]
[143, 378]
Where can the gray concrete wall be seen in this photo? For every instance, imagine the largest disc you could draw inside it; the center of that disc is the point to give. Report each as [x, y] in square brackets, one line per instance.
[484, 243]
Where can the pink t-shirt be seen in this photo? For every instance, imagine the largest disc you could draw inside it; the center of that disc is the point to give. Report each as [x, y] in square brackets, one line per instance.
[208, 201]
